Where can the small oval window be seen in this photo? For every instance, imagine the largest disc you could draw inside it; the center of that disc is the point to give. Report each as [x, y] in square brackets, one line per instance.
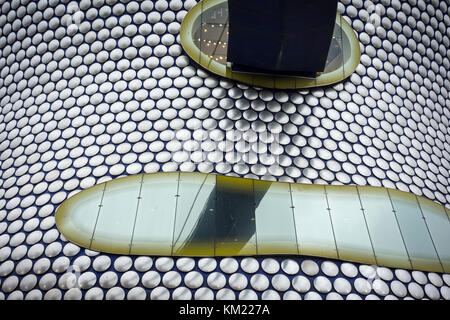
[204, 37]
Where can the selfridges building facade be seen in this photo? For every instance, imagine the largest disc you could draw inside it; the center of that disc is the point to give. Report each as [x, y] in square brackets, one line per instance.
[95, 90]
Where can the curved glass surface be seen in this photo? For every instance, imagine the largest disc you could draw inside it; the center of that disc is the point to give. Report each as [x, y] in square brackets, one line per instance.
[196, 214]
[204, 36]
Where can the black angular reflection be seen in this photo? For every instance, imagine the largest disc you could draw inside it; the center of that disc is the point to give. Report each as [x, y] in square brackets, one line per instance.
[211, 33]
[235, 218]
[280, 36]
[194, 230]
[224, 223]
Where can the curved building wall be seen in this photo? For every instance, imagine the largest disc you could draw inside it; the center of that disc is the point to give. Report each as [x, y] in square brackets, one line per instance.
[94, 90]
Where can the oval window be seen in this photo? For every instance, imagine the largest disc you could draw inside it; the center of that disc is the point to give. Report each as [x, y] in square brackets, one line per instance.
[204, 37]
[196, 214]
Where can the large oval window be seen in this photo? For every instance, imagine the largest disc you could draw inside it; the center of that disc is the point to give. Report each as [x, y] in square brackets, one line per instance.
[196, 214]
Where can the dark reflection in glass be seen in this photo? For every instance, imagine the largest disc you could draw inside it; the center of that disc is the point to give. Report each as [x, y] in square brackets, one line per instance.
[194, 231]
[211, 30]
[235, 218]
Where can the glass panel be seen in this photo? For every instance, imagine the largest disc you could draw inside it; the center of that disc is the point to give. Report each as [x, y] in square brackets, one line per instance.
[383, 227]
[194, 218]
[196, 33]
[153, 228]
[439, 226]
[116, 218]
[275, 230]
[346, 46]
[335, 58]
[415, 233]
[235, 218]
[211, 34]
[349, 225]
[77, 216]
[217, 14]
[215, 22]
[312, 221]
[205, 41]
